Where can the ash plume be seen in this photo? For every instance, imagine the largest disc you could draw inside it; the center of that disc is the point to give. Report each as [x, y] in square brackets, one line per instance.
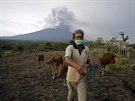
[62, 17]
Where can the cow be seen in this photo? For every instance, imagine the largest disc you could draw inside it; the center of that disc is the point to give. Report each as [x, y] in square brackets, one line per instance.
[121, 45]
[58, 66]
[62, 70]
[39, 59]
[106, 59]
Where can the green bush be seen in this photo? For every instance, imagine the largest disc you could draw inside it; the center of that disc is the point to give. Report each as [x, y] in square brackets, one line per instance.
[122, 60]
[115, 68]
[110, 47]
[29, 46]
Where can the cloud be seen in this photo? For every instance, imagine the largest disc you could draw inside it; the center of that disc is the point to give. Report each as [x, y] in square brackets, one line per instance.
[10, 28]
[61, 16]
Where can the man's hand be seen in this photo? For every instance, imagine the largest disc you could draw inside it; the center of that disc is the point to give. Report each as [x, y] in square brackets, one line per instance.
[81, 71]
[88, 61]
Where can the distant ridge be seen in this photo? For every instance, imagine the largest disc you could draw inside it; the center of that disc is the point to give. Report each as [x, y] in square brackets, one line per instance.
[49, 34]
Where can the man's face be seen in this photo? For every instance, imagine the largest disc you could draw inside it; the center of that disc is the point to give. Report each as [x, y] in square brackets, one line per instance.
[78, 36]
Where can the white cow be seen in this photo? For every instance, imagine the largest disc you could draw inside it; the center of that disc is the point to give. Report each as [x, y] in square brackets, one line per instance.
[122, 46]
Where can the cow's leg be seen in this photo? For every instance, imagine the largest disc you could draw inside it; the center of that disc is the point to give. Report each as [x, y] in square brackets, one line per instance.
[103, 71]
[105, 68]
[52, 70]
[37, 64]
[42, 63]
[124, 52]
[64, 82]
[121, 52]
[60, 67]
[55, 72]
[53, 76]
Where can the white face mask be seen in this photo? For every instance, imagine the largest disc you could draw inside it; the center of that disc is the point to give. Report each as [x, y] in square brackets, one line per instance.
[79, 42]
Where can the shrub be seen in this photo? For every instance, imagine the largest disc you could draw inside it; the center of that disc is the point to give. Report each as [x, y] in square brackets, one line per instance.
[115, 68]
[122, 60]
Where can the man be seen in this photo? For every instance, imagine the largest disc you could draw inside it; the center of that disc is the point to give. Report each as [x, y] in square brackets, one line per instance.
[76, 56]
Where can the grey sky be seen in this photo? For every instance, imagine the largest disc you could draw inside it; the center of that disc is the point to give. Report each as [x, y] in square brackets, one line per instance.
[98, 18]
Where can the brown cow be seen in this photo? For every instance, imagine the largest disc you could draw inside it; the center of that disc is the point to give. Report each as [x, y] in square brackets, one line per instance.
[55, 58]
[63, 70]
[39, 59]
[106, 59]
[58, 68]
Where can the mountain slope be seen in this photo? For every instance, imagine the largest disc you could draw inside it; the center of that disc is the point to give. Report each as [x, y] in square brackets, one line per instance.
[48, 34]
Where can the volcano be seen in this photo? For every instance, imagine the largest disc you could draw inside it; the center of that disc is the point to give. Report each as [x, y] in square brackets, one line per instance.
[58, 29]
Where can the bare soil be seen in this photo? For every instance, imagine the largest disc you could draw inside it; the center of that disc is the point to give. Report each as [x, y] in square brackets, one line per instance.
[21, 80]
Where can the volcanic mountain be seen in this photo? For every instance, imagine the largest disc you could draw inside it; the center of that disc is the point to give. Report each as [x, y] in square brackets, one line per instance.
[49, 34]
[58, 30]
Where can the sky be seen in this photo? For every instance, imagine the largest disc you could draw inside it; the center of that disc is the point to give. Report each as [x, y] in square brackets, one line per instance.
[98, 18]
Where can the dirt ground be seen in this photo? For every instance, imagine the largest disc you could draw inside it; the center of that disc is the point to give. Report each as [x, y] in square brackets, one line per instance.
[21, 80]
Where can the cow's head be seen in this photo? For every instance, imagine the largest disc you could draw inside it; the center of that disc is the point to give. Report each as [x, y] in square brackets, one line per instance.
[55, 58]
[113, 58]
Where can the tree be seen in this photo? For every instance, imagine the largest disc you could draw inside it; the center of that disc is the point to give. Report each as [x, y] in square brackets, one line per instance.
[123, 36]
[99, 41]
[20, 47]
[109, 47]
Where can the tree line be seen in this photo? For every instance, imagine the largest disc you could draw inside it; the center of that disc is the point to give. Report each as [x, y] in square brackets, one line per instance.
[17, 47]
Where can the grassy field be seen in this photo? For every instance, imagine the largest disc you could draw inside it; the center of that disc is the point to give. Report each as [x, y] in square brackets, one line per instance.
[20, 80]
